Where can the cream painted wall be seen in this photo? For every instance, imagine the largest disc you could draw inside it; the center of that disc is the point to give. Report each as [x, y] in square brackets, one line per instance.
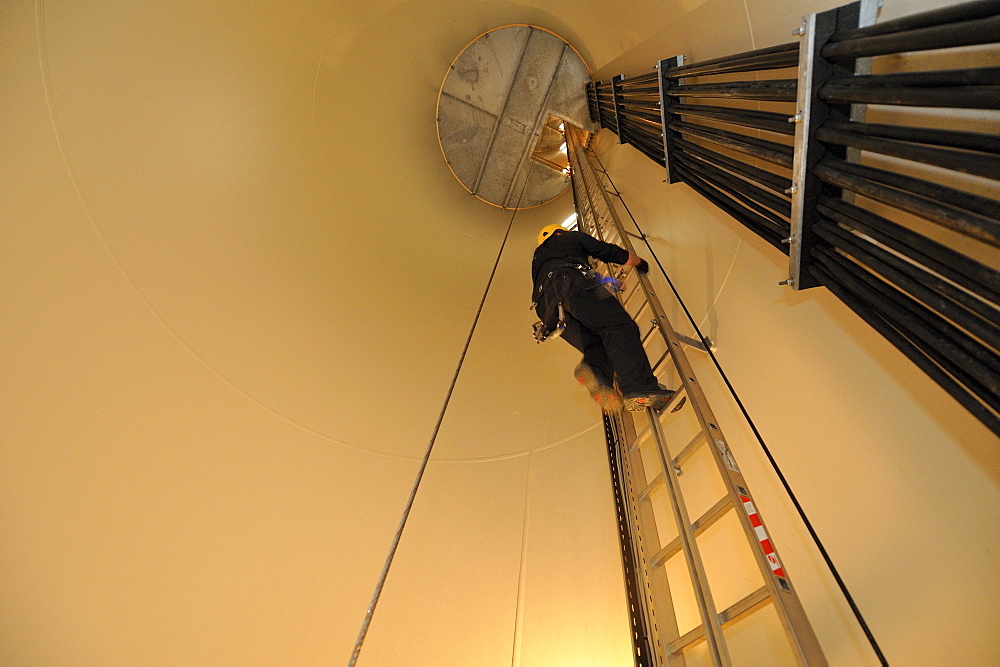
[237, 277]
[238, 282]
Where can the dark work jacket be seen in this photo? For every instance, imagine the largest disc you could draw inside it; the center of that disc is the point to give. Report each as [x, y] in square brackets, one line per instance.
[568, 249]
[554, 272]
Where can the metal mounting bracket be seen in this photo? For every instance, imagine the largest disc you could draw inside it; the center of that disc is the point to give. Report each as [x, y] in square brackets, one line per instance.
[666, 117]
[810, 114]
[615, 89]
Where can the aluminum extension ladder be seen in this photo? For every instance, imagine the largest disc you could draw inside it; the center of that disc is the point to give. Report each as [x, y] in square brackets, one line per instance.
[653, 451]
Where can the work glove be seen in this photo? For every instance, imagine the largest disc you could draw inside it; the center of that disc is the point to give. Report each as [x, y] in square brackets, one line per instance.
[642, 267]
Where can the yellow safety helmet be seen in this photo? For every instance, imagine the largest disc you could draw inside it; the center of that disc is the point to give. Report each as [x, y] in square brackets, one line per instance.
[547, 231]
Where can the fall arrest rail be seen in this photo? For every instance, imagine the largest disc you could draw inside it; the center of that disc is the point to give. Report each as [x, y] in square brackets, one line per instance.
[646, 465]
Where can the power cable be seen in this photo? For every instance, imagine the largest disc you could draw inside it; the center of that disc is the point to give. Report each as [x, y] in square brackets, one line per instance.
[430, 446]
[760, 439]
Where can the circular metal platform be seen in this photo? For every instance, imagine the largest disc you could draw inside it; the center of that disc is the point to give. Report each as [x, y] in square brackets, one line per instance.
[501, 110]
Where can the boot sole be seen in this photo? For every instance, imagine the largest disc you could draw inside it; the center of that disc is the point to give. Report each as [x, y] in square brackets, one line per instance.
[640, 403]
[604, 396]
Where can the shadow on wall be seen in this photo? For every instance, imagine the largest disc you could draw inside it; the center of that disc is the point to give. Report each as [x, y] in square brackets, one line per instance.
[695, 34]
[486, 16]
[936, 404]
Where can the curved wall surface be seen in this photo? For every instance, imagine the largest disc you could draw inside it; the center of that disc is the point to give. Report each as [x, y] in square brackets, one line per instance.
[237, 281]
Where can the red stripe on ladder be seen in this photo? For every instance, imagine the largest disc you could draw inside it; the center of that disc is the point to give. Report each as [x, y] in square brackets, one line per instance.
[765, 542]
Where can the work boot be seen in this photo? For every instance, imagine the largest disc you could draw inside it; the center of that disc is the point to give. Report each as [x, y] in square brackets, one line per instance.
[655, 399]
[600, 390]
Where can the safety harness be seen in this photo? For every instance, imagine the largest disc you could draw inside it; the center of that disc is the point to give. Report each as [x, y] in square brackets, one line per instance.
[542, 330]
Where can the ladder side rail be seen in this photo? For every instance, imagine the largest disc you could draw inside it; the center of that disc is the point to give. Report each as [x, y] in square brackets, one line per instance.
[646, 641]
[692, 555]
[659, 601]
[629, 468]
[706, 606]
[797, 626]
[582, 221]
[688, 544]
[587, 198]
[685, 542]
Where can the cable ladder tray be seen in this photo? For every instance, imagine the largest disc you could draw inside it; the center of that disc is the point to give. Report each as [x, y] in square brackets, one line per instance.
[598, 216]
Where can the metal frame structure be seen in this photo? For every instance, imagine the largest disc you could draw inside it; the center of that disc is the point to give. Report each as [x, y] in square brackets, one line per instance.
[616, 92]
[648, 556]
[804, 188]
[718, 162]
[810, 114]
[664, 82]
[938, 307]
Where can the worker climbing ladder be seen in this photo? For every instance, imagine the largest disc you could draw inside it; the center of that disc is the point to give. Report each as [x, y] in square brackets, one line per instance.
[650, 452]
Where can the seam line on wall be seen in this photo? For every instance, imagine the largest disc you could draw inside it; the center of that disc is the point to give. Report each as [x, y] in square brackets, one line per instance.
[515, 659]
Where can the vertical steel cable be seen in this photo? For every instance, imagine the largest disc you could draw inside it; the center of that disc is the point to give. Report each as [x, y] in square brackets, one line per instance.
[430, 446]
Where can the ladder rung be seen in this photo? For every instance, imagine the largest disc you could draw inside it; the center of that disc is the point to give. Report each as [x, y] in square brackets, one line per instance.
[644, 433]
[657, 481]
[628, 299]
[678, 461]
[594, 203]
[728, 616]
[659, 361]
[639, 437]
[669, 407]
[703, 523]
[690, 449]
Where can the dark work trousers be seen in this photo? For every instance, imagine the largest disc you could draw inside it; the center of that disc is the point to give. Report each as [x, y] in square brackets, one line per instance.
[598, 326]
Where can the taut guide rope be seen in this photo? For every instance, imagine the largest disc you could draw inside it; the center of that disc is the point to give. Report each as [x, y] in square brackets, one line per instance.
[430, 446]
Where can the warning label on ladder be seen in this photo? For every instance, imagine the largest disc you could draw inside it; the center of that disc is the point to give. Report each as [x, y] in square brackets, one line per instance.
[726, 455]
[765, 541]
